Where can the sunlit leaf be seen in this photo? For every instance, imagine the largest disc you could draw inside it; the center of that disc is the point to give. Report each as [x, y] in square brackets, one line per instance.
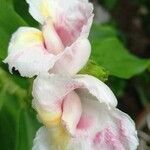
[95, 70]
[110, 53]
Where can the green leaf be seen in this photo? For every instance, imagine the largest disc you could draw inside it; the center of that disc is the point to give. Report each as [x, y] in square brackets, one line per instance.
[117, 85]
[9, 22]
[10, 86]
[26, 129]
[95, 70]
[7, 129]
[22, 4]
[110, 4]
[109, 52]
[100, 32]
[8, 116]
[18, 123]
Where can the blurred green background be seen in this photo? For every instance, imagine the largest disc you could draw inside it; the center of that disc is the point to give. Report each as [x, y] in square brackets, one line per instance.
[120, 39]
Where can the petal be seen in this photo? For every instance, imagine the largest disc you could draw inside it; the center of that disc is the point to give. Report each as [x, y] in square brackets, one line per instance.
[86, 28]
[70, 27]
[99, 127]
[108, 128]
[41, 141]
[72, 111]
[114, 131]
[40, 10]
[26, 52]
[98, 89]
[52, 41]
[44, 141]
[51, 139]
[69, 17]
[74, 58]
[49, 91]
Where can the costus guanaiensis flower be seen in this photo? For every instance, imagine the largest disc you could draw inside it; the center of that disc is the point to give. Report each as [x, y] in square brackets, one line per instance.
[79, 113]
[61, 46]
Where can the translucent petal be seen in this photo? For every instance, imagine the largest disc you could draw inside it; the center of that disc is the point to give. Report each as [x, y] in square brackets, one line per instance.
[71, 18]
[74, 58]
[98, 89]
[27, 53]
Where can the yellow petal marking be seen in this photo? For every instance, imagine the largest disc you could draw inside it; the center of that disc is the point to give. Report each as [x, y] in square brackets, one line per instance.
[27, 39]
[44, 9]
[58, 135]
[31, 37]
[49, 119]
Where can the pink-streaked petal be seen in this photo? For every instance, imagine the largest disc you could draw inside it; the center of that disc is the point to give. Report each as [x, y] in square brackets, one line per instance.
[49, 91]
[98, 89]
[99, 127]
[27, 54]
[52, 41]
[74, 58]
[86, 28]
[109, 128]
[71, 18]
[72, 111]
[117, 133]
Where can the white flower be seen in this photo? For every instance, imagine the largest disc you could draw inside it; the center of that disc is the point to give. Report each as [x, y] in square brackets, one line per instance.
[80, 113]
[62, 45]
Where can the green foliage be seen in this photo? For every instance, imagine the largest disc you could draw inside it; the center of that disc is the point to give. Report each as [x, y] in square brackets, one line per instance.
[95, 70]
[142, 86]
[18, 122]
[9, 22]
[109, 4]
[100, 32]
[26, 129]
[110, 53]
[117, 85]
[21, 7]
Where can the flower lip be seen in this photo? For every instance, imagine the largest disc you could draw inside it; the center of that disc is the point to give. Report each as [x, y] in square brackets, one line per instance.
[69, 101]
[113, 129]
[67, 84]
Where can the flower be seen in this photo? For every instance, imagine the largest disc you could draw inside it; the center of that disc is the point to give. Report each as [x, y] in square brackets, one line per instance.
[61, 46]
[79, 113]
